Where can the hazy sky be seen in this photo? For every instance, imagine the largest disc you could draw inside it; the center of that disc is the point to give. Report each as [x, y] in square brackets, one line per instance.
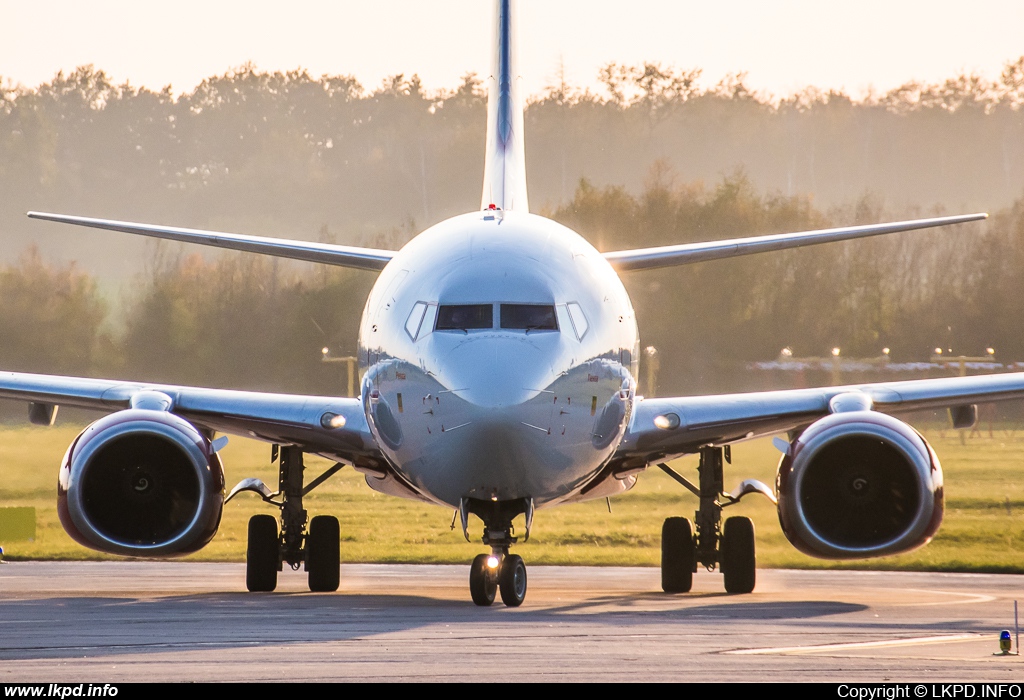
[783, 45]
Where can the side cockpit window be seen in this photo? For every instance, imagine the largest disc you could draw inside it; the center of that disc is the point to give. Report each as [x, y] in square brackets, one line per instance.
[421, 320]
[579, 320]
[529, 317]
[464, 317]
[412, 326]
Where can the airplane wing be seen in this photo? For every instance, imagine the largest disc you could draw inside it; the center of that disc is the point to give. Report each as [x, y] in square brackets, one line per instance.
[664, 428]
[664, 256]
[312, 422]
[328, 253]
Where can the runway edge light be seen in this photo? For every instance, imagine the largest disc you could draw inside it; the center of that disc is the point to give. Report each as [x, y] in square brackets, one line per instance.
[1005, 642]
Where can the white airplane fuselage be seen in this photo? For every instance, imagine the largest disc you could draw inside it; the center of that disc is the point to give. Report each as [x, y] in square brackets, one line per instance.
[491, 412]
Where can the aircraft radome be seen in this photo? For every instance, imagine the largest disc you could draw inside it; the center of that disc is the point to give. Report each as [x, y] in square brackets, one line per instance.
[499, 352]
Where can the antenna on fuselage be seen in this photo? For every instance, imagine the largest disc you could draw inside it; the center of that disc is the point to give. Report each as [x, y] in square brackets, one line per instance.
[505, 159]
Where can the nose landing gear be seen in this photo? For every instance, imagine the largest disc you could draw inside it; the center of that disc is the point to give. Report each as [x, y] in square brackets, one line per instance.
[499, 570]
[491, 573]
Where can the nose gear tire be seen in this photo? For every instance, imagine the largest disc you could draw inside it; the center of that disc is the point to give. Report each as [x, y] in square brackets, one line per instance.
[512, 581]
[482, 585]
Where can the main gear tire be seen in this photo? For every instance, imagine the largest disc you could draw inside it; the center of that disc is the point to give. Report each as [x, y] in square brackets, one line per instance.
[262, 554]
[738, 558]
[678, 555]
[323, 554]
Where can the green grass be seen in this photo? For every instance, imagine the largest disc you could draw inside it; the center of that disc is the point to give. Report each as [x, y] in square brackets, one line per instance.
[983, 529]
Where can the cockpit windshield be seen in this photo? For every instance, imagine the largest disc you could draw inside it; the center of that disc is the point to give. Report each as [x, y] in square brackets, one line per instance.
[463, 317]
[531, 317]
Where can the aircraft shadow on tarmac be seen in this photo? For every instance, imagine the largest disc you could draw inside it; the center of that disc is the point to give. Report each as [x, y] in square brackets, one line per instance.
[104, 626]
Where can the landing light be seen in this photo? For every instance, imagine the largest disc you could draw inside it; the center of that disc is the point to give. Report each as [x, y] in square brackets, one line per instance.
[667, 421]
[332, 421]
[492, 562]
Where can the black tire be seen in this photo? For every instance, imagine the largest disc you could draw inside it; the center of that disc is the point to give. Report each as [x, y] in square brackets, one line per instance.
[739, 562]
[512, 581]
[323, 554]
[261, 554]
[482, 585]
[678, 555]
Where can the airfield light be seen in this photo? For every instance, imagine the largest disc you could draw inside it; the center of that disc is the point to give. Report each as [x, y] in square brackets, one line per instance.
[492, 562]
[990, 351]
[325, 351]
[885, 351]
[787, 352]
[938, 351]
[835, 352]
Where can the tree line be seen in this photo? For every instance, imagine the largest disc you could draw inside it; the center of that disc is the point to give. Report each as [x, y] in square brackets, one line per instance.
[286, 153]
[657, 158]
[248, 321]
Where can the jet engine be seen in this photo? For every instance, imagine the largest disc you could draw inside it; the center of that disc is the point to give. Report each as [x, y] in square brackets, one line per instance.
[859, 484]
[141, 483]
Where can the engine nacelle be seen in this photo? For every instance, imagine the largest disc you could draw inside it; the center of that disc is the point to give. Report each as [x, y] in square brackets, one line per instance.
[141, 483]
[859, 484]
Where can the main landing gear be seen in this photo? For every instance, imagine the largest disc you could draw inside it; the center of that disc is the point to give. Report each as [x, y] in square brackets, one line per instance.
[317, 547]
[730, 548]
[498, 571]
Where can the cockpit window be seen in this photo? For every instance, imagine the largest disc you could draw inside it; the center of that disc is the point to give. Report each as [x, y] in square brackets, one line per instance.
[532, 317]
[412, 326]
[579, 320]
[462, 317]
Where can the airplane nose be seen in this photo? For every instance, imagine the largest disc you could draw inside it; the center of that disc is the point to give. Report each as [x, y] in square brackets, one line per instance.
[497, 372]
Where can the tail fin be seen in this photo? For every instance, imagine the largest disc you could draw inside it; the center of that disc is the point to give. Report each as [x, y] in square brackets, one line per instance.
[505, 163]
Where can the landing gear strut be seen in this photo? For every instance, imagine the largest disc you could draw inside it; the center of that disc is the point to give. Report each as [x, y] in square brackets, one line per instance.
[730, 548]
[317, 548]
[499, 570]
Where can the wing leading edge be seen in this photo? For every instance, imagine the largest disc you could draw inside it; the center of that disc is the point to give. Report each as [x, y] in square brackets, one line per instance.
[278, 418]
[687, 253]
[727, 418]
[327, 253]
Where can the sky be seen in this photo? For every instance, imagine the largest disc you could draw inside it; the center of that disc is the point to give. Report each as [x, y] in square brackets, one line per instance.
[782, 45]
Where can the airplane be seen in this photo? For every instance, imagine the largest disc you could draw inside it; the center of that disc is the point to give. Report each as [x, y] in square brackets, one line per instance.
[499, 355]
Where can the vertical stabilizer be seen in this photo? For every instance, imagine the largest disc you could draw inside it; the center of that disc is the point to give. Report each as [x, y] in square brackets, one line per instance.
[505, 162]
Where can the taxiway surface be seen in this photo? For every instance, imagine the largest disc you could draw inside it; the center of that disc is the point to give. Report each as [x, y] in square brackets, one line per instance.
[155, 621]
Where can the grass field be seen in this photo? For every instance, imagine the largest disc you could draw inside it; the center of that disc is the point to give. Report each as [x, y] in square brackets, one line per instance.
[983, 529]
